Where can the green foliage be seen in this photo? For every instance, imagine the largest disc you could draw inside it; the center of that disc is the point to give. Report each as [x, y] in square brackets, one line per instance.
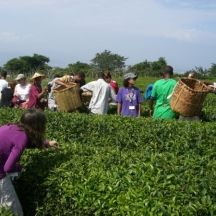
[27, 64]
[5, 212]
[212, 70]
[108, 165]
[79, 67]
[107, 60]
[147, 68]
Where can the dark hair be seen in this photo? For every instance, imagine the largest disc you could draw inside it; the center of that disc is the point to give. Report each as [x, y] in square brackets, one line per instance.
[12, 84]
[126, 82]
[4, 74]
[57, 75]
[71, 74]
[105, 75]
[168, 70]
[80, 74]
[34, 124]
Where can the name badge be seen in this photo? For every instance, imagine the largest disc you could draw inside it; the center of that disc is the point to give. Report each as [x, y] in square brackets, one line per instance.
[131, 107]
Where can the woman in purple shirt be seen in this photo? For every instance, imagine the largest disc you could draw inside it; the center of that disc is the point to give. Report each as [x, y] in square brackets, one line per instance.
[129, 97]
[14, 138]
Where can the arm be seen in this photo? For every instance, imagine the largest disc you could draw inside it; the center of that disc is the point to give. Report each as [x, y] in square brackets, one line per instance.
[59, 82]
[119, 109]
[89, 86]
[40, 95]
[151, 105]
[13, 158]
[119, 102]
[50, 144]
[112, 94]
[139, 110]
[139, 100]
[15, 91]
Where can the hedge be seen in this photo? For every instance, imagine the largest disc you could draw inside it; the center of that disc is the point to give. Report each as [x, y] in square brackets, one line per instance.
[108, 165]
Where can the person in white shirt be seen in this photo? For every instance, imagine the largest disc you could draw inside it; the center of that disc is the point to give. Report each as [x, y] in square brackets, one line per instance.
[51, 97]
[3, 82]
[21, 92]
[101, 94]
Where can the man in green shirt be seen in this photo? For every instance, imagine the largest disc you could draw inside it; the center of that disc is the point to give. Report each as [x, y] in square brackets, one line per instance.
[161, 94]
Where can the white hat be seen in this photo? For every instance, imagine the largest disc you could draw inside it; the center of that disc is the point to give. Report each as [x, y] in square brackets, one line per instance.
[20, 76]
[130, 76]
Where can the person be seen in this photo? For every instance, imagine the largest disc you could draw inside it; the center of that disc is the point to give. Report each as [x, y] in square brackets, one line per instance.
[148, 92]
[113, 83]
[36, 93]
[51, 97]
[21, 92]
[15, 138]
[78, 78]
[161, 95]
[129, 98]
[3, 81]
[7, 95]
[192, 75]
[101, 94]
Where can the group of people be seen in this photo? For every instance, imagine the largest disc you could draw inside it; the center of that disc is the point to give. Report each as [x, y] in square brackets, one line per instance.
[29, 132]
[19, 93]
[129, 98]
[104, 91]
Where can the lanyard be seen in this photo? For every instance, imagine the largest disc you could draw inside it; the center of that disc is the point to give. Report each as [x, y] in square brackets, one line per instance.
[131, 95]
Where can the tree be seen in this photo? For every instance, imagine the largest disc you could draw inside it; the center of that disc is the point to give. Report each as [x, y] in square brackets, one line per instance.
[147, 68]
[27, 64]
[212, 70]
[79, 67]
[199, 73]
[107, 60]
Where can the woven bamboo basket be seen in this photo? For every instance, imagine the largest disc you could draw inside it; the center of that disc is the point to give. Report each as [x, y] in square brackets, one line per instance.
[86, 97]
[68, 99]
[188, 97]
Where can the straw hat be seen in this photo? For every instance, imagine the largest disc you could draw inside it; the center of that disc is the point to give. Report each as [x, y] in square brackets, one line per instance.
[36, 75]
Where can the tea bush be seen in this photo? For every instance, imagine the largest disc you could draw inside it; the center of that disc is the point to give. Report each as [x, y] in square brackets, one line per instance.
[108, 165]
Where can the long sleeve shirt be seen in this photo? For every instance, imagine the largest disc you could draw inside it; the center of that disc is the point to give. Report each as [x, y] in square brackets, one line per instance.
[34, 101]
[13, 141]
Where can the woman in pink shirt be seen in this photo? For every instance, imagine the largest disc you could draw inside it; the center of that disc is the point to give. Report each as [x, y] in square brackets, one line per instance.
[14, 138]
[36, 93]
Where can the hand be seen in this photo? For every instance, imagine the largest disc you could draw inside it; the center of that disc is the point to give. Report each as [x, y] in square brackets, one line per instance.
[150, 112]
[45, 90]
[53, 144]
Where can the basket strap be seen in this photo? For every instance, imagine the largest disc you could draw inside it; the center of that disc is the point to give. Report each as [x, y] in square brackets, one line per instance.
[176, 101]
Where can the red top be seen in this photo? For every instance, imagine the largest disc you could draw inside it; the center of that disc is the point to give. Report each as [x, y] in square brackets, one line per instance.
[34, 102]
[114, 85]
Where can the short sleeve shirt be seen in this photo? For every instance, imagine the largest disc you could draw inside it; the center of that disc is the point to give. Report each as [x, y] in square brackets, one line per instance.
[161, 92]
[129, 98]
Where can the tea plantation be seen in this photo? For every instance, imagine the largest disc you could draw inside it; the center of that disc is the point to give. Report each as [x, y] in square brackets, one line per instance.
[108, 165]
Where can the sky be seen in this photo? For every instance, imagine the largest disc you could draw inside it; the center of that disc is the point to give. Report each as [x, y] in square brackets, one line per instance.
[66, 31]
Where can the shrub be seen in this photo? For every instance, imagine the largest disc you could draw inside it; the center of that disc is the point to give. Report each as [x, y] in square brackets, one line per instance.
[108, 165]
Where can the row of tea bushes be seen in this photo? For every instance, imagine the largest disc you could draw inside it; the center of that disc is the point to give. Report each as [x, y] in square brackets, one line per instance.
[108, 165]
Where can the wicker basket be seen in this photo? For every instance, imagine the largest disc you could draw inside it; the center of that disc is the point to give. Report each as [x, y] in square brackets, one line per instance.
[86, 97]
[188, 97]
[68, 99]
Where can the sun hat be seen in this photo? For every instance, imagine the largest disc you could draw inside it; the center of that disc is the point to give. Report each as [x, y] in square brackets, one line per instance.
[20, 76]
[130, 76]
[36, 75]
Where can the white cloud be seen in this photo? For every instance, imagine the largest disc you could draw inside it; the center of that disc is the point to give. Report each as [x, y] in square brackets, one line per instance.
[8, 37]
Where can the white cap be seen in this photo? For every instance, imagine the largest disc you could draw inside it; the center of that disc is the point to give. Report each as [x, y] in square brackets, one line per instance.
[20, 76]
